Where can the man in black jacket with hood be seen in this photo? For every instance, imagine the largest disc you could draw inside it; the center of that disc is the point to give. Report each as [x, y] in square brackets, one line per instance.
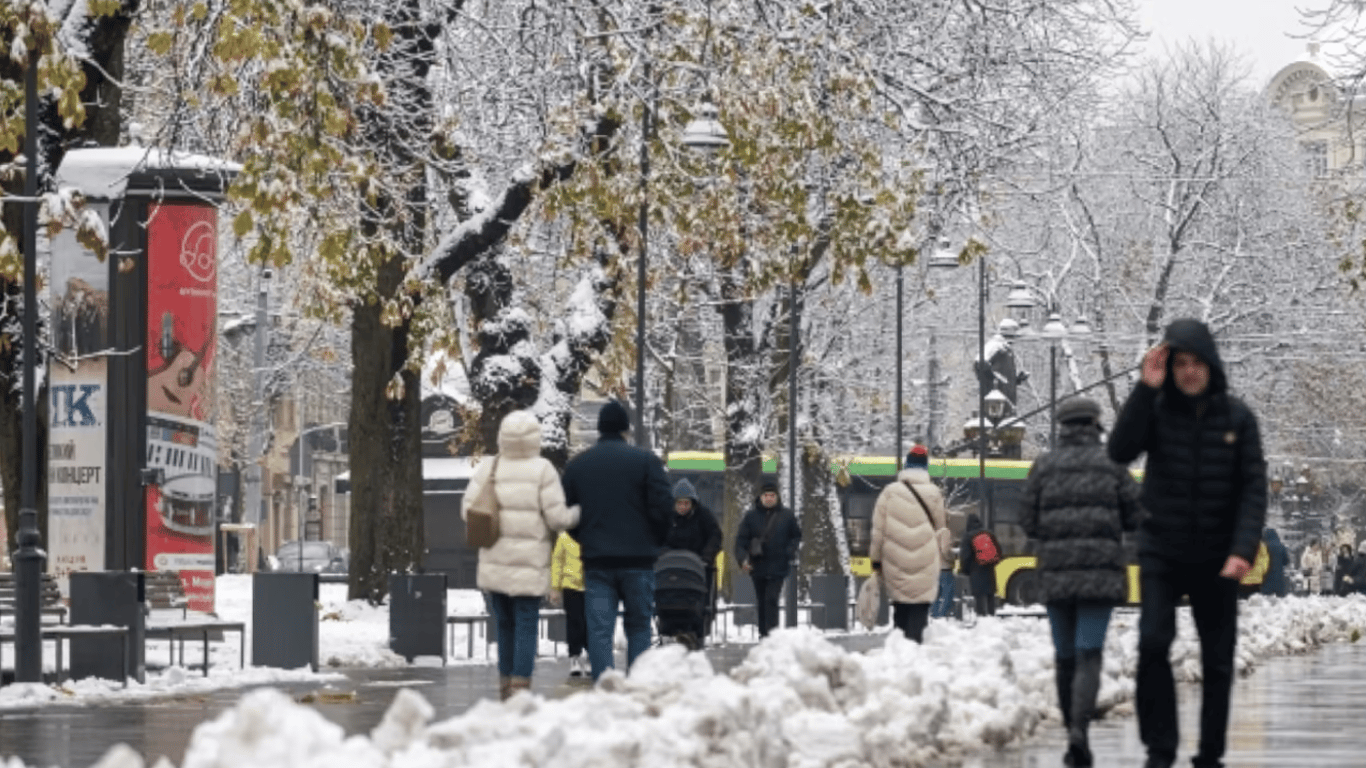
[1204, 489]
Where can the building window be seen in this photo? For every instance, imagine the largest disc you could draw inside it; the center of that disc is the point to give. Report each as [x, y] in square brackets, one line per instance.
[1316, 158]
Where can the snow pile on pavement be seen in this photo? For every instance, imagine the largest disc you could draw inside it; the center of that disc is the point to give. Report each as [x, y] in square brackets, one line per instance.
[797, 700]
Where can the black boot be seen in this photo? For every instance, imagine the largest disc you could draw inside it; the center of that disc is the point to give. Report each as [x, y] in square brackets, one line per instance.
[1063, 670]
[1085, 686]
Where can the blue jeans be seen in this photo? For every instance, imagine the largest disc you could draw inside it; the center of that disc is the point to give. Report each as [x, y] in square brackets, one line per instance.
[944, 601]
[517, 616]
[1078, 626]
[602, 590]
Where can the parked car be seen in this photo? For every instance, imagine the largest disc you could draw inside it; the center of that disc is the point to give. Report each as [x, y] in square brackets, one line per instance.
[321, 557]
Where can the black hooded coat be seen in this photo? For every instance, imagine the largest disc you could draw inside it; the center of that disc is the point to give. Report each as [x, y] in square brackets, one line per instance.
[1204, 484]
[1077, 506]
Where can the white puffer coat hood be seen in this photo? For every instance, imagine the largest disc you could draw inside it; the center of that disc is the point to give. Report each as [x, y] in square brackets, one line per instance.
[531, 510]
[910, 540]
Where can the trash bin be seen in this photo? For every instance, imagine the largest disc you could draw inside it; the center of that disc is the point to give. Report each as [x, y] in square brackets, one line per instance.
[417, 615]
[116, 598]
[832, 591]
[284, 620]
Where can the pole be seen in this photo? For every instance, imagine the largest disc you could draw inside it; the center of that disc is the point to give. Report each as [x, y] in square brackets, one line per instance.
[793, 350]
[982, 381]
[897, 451]
[29, 556]
[1053, 396]
[299, 503]
[642, 439]
[932, 431]
[252, 507]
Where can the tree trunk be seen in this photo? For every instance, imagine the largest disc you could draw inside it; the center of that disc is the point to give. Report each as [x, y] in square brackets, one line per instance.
[386, 447]
[387, 533]
[744, 381]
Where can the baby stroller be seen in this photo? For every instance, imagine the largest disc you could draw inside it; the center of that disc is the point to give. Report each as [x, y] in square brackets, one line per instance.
[682, 597]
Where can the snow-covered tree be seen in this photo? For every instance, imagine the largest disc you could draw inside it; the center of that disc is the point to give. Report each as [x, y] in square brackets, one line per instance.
[78, 49]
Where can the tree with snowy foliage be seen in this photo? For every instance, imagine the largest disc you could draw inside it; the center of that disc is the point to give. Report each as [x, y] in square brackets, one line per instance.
[79, 51]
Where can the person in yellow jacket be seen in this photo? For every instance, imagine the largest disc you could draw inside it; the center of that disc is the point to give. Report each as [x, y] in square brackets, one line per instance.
[566, 589]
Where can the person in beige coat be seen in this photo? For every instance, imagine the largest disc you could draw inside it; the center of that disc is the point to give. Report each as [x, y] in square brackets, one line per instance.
[910, 542]
[515, 571]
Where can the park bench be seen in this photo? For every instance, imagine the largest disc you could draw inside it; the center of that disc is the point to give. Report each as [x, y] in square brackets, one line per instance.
[165, 592]
[51, 603]
[64, 633]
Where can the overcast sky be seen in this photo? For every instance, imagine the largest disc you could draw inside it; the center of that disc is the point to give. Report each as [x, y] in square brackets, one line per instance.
[1258, 28]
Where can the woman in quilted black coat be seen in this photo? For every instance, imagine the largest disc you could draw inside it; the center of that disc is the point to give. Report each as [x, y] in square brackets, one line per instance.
[1077, 504]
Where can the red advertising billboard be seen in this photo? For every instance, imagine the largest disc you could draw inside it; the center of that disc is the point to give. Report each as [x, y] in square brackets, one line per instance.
[182, 313]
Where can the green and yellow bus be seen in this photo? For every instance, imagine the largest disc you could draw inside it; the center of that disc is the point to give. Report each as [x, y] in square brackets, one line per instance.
[859, 480]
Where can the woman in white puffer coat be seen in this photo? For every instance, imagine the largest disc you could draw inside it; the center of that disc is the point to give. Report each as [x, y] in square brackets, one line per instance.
[515, 571]
[910, 541]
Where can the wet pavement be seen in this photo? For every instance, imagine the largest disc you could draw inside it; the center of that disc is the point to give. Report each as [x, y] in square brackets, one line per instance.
[1293, 711]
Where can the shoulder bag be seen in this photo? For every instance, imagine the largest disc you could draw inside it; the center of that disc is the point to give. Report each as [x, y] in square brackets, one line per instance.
[481, 517]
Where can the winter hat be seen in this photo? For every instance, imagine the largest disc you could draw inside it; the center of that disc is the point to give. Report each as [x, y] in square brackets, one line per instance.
[613, 419]
[918, 456]
[684, 490]
[1078, 409]
[768, 487]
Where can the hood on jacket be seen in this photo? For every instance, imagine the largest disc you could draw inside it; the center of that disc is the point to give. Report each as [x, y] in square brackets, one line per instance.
[519, 436]
[1187, 335]
[1271, 538]
[685, 490]
[1080, 433]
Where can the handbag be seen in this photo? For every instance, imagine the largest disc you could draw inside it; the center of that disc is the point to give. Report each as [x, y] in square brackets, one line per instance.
[869, 601]
[481, 517]
[756, 544]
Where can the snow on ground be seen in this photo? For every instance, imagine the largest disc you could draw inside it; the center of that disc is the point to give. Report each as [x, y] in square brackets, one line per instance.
[797, 700]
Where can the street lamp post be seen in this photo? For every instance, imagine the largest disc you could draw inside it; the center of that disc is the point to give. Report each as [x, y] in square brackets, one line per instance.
[1021, 301]
[29, 556]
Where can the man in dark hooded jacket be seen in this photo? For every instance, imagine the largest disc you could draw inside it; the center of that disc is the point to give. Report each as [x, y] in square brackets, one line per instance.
[765, 547]
[1204, 489]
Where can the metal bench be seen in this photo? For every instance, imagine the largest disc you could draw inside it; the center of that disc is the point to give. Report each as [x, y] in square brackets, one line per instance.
[51, 602]
[164, 591]
[67, 633]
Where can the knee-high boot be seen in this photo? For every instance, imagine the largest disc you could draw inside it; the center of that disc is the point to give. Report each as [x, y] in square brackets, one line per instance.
[1063, 670]
[1085, 687]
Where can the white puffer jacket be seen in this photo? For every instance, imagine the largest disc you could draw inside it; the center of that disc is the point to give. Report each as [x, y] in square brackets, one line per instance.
[910, 541]
[531, 510]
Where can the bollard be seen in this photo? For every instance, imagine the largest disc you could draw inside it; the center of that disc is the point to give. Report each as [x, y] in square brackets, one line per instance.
[28, 585]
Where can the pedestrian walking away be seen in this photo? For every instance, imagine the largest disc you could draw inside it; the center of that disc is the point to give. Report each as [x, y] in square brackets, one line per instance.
[981, 573]
[625, 502]
[566, 591]
[765, 546]
[910, 543]
[1204, 491]
[515, 571]
[1077, 504]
